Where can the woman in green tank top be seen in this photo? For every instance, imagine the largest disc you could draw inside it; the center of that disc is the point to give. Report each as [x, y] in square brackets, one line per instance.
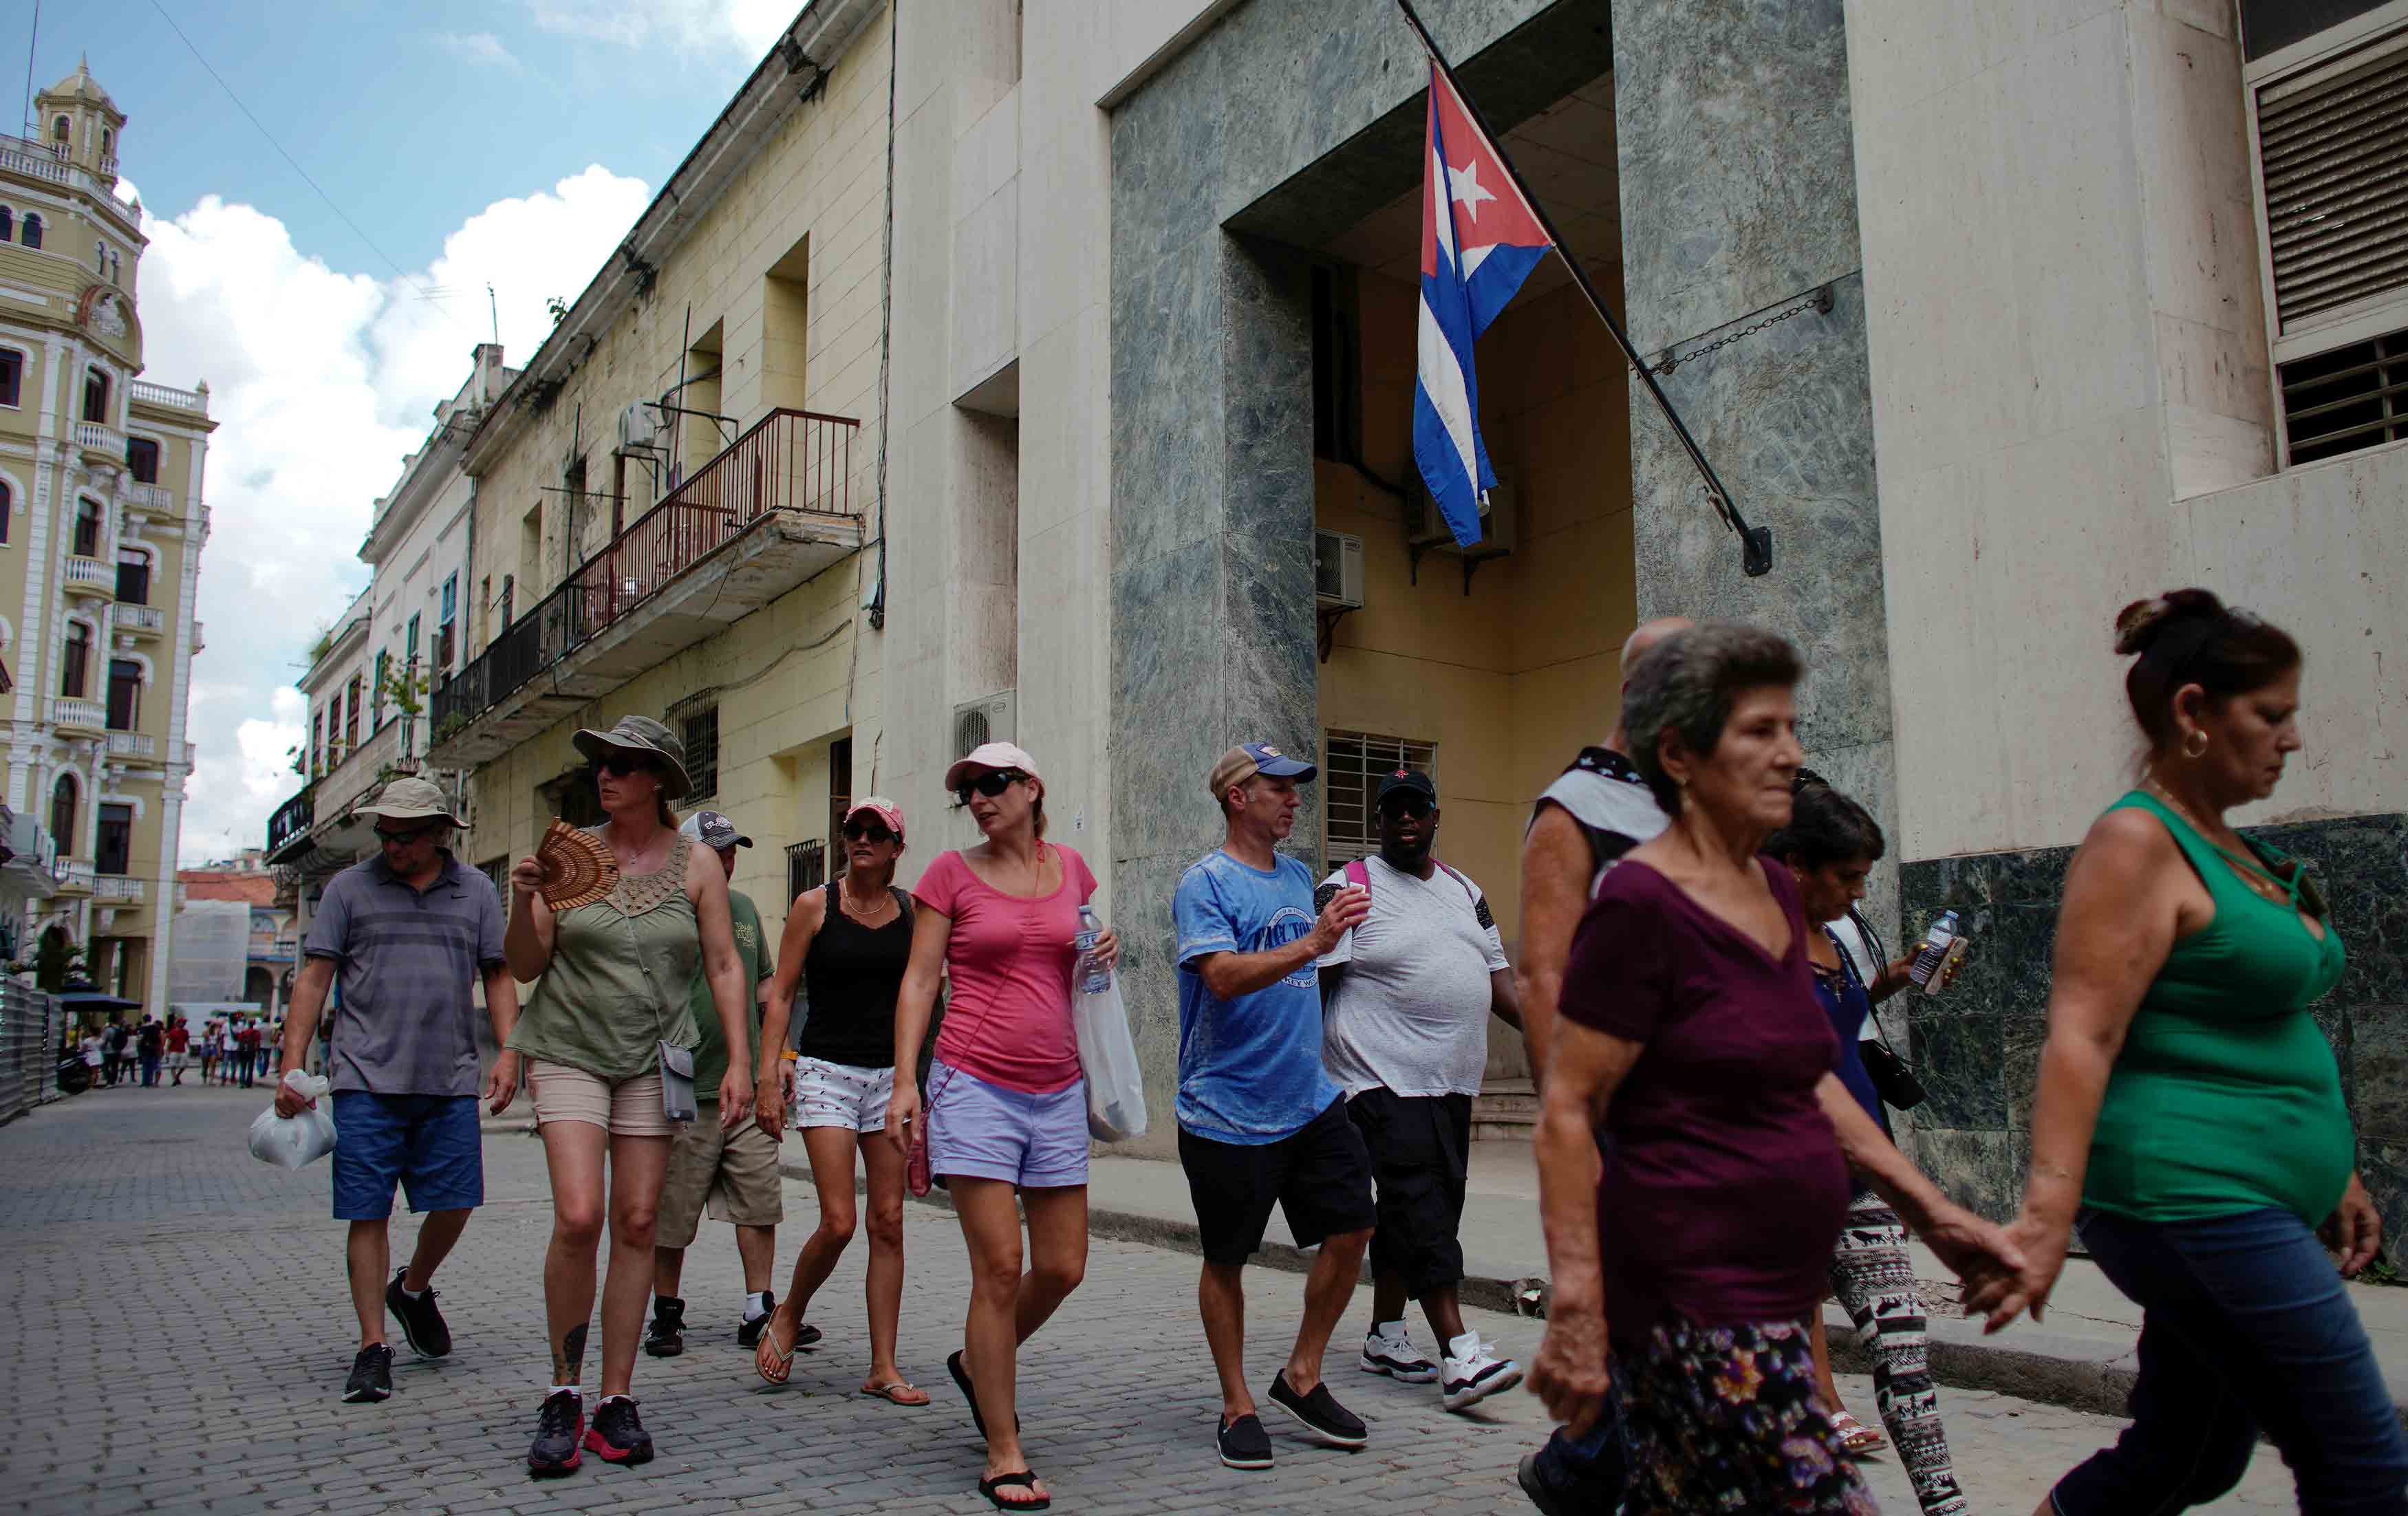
[615, 976]
[2189, 1119]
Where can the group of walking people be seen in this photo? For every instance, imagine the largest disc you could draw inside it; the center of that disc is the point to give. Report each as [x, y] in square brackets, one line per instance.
[1714, 1158]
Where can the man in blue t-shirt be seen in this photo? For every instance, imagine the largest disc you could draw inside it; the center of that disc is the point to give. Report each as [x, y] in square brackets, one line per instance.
[1259, 1118]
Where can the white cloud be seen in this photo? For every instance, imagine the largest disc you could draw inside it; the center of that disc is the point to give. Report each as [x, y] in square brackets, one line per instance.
[690, 25]
[321, 381]
[477, 48]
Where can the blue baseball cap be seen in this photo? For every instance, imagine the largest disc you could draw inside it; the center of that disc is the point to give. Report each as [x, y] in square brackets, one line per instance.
[1248, 759]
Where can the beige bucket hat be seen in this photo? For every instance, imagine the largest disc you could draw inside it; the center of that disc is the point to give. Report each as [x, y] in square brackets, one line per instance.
[639, 734]
[407, 799]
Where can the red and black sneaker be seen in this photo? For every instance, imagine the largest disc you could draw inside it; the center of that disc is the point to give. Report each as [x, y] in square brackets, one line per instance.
[559, 1434]
[617, 1435]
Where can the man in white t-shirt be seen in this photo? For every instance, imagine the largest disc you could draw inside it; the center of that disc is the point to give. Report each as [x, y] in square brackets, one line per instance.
[1407, 995]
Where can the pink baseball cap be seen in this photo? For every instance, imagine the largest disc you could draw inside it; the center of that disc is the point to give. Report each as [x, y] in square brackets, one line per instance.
[879, 805]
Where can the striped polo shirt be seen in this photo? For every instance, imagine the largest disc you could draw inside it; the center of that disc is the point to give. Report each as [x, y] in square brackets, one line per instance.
[407, 962]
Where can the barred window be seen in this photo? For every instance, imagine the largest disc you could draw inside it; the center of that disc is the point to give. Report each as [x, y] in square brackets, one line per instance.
[806, 866]
[700, 734]
[1352, 765]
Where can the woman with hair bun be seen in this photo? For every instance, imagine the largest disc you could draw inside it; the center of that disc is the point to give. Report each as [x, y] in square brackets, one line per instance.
[2189, 1121]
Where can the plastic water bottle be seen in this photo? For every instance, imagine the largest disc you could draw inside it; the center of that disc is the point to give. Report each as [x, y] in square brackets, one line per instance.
[1941, 944]
[1094, 977]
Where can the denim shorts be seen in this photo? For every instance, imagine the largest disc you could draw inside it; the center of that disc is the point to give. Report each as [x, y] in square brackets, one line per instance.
[429, 1144]
[976, 1130]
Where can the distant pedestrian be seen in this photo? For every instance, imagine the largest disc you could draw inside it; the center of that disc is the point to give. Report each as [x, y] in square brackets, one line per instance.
[1408, 994]
[93, 1056]
[209, 1047]
[180, 1042]
[1006, 1106]
[2191, 1122]
[1260, 1121]
[846, 945]
[151, 1046]
[247, 1051]
[1597, 810]
[410, 933]
[612, 1011]
[731, 1171]
[115, 1041]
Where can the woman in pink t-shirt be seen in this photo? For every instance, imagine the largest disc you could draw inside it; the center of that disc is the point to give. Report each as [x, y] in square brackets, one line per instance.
[1006, 1106]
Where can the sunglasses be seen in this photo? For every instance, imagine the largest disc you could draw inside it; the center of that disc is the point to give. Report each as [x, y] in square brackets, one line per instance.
[866, 831]
[623, 764]
[1414, 806]
[990, 784]
[406, 836]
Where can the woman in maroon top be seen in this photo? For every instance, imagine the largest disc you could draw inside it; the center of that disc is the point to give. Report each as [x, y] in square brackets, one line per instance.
[1690, 1035]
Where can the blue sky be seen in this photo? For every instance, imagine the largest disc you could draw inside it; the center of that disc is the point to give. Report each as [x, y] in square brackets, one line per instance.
[512, 142]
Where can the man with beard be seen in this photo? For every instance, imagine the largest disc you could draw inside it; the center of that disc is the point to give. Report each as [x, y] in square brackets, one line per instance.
[1408, 992]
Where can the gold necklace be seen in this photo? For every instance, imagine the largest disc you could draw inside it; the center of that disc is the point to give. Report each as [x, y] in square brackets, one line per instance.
[2252, 874]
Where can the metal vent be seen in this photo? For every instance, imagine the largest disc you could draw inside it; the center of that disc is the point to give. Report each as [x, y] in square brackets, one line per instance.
[2334, 148]
[2352, 398]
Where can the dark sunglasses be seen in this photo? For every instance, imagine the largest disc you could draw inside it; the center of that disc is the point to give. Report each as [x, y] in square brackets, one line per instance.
[1414, 806]
[624, 763]
[405, 837]
[866, 831]
[990, 784]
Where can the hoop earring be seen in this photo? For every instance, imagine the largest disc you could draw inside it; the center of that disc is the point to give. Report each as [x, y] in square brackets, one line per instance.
[2199, 750]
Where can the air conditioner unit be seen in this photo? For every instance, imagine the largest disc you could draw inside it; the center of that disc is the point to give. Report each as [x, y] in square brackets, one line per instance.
[1337, 570]
[1426, 529]
[991, 718]
[640, 425]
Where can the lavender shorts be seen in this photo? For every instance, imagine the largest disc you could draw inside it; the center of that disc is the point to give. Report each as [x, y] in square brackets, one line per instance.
[979, 1130]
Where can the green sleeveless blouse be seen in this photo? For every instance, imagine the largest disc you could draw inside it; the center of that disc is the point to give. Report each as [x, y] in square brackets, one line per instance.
[617, 982]
[2227, 1098]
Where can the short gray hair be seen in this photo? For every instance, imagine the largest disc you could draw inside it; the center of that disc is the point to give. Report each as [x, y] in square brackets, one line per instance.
[1688, 683]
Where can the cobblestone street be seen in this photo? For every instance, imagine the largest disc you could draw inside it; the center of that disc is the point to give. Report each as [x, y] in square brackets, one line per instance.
[179, 1331]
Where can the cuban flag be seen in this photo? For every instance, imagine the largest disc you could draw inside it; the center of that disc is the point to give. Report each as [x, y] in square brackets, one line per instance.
[1480, 240]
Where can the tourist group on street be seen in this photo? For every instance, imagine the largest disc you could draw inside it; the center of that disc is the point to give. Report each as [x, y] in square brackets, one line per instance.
[1698, 997]
[232, 1051]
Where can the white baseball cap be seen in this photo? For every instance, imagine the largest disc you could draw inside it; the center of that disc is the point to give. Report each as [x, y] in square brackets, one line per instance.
[986, 758]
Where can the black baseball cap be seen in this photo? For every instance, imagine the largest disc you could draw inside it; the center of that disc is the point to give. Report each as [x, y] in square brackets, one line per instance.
[1407, 781]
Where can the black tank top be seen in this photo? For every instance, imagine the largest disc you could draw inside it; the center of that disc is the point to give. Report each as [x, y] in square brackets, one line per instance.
[850, 979]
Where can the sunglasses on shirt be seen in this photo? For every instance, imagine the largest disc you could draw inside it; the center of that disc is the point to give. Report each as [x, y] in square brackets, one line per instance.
[990, 784]
[866, 831]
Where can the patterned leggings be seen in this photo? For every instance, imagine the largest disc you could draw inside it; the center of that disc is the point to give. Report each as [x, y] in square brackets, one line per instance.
[1874, 1279]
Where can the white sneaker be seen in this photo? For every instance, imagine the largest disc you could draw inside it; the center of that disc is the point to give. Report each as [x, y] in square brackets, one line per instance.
[1474, 1372]
[1389, 1349]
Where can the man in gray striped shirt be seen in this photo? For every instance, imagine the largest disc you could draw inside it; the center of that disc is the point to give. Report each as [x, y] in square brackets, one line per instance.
[409, 933]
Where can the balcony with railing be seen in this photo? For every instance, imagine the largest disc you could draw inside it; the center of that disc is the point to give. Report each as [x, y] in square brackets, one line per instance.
[92, 578]
[772, 510]
[69, 713]
[291, 821]
[100, 442]
[75, 876]
[142, 620]
[138, 749]
[149, 500]
[167, 397]
[118, 888]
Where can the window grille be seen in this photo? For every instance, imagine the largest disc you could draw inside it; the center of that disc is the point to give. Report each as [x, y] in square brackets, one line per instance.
[806, 866]
[2349, 398]
[1352, 766]
[702, 739]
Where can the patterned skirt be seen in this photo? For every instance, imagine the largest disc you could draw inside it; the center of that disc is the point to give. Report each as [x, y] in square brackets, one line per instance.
[1724, 1419]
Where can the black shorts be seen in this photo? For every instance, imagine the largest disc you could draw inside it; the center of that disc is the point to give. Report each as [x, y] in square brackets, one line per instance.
[1319, 1175]
[1421, 1152]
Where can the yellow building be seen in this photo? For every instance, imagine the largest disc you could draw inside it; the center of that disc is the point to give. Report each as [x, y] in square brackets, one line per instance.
[101, 527]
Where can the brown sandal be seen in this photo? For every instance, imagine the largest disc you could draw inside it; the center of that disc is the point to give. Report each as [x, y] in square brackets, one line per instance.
[893, 1391]
[771, 1361]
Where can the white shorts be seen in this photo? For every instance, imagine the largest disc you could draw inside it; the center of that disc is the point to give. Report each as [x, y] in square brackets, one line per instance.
[842, 1094]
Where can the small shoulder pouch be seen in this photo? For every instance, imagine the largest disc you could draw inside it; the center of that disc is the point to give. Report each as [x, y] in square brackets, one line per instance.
[677, 1083]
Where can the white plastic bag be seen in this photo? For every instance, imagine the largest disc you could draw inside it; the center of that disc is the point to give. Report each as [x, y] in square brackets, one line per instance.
[1107, 1056]
[290, 1141]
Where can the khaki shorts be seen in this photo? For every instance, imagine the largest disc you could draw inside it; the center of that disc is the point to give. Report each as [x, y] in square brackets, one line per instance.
[630, 1107]
[735, 1172]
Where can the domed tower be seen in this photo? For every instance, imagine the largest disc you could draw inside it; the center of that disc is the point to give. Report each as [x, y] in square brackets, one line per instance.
[79, 123]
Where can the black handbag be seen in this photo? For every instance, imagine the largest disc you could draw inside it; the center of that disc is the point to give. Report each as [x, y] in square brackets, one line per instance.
[1894, 1078]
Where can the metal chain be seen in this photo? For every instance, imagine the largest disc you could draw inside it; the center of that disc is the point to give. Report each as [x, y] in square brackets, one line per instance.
[1819, 302]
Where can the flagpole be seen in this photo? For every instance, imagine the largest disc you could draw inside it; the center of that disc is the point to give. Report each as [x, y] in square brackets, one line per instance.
[1756, 541]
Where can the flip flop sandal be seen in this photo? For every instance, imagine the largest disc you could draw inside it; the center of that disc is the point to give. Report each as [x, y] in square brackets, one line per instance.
[893, 1393]
[970, 1392]
[1855, 1438]
[768, 1355]
[1022, 1480]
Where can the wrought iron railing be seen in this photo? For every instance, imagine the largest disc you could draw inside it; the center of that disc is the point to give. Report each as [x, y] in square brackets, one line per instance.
[792, 459]
[291, 818]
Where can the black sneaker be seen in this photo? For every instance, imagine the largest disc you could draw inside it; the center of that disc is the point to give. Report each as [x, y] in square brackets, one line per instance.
[1244, 1444]
[420, 1323]
[371, 1378]
[559, 1431]
[667, 1337]
[749, 1335]
[618, 1435]
[1320, 1412]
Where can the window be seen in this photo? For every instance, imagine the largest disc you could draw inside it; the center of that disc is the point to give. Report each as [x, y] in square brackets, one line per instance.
[498, 870]
[384, 673]
[446, 616]
[351, 716]
[76, 662]
[32, 235]
[334, 732]
[8, 225]
[62, 133]
[124, 695]
[509, 588]
[96, 396]
[133, 578]
[701, 737]
[806, 866]
[115, 270]
[87, 528]
[409, 645]
[450, 598]
[839, 797]
[107, 144]
[1350, 771]
[63, 814]
[114, 848]
[8, 509]
[142, 458]
[317, 743]
[12, 378]
[572, 798]
[100, 257]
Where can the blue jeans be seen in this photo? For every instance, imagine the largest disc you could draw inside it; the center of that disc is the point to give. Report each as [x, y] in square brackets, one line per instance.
[2245, 1326]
